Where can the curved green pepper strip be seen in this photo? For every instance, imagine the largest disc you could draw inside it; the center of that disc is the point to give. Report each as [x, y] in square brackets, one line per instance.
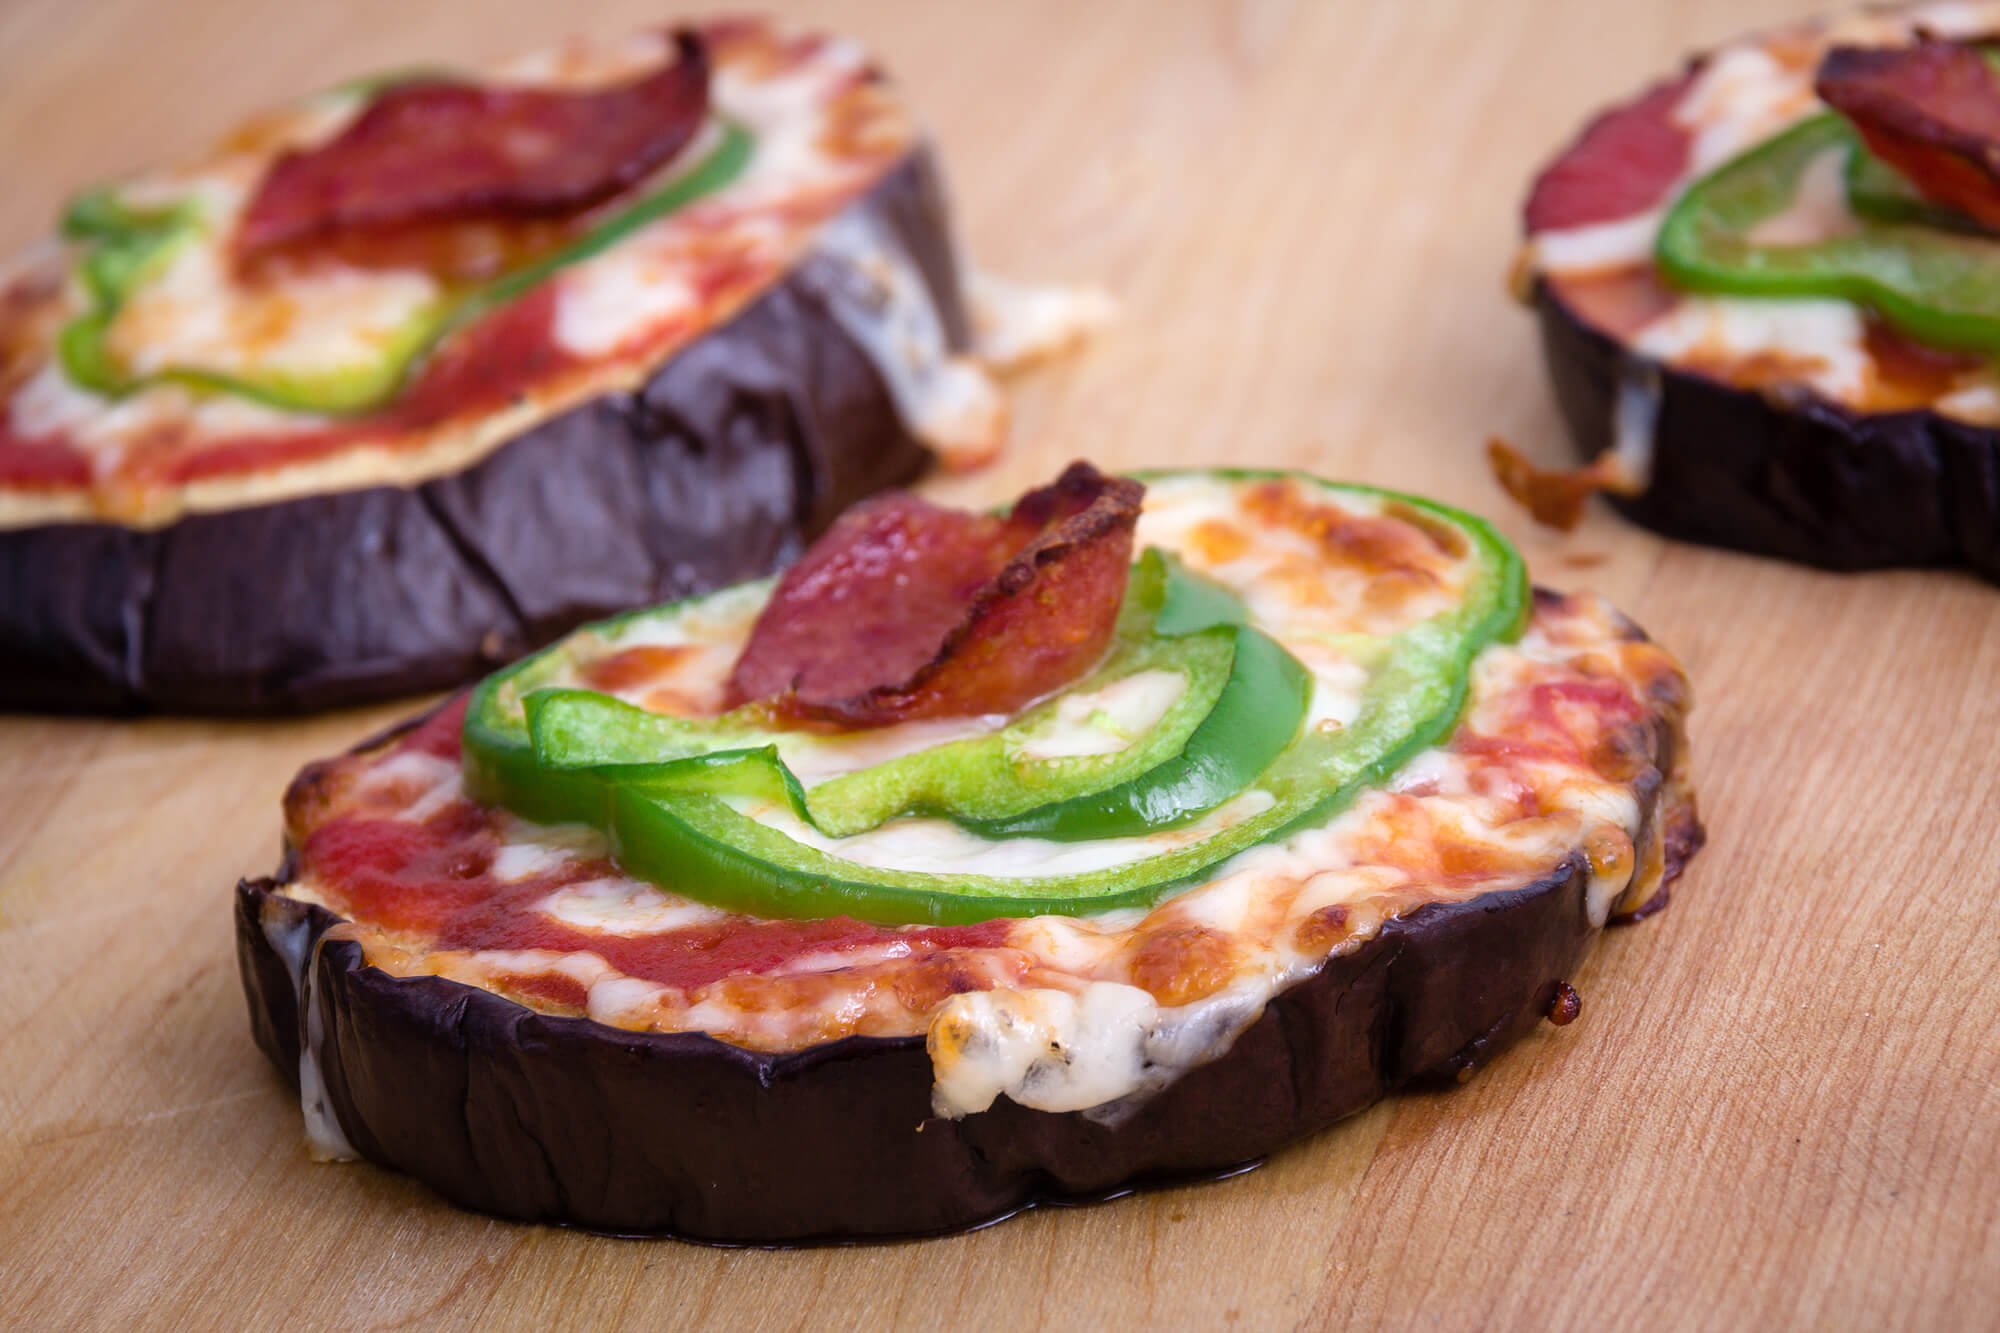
[129, 248]
[581, 730]
[1254, 718]
[499, 760]
[1242, 700]
[1940, 287]
[707, 847]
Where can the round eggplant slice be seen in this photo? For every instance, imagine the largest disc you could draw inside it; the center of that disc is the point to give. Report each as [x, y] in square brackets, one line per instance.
[728, 460]
[606, 1053]
[611, 476]
[1807, 429]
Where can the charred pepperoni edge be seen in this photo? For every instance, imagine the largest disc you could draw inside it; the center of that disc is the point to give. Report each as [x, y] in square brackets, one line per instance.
[564, 1120]
[1906, 103]
[739, 449]
[1788, 474]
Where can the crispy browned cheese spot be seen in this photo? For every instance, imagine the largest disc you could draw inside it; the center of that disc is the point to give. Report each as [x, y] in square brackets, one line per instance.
[1932, 111]
[1388, 547]
[908, 610]
[1181, 964]
[633, 666]
[1326, 927]
[436, 152]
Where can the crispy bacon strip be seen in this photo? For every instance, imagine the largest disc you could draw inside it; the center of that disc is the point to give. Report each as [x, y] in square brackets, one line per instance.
[907, 610]
[448, 152]
[1932, 111]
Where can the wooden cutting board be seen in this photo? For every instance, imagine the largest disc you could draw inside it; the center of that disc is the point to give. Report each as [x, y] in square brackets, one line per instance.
[1782, 1103]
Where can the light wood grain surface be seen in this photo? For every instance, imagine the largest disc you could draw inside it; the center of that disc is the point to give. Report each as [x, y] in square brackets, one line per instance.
[1781, 1106]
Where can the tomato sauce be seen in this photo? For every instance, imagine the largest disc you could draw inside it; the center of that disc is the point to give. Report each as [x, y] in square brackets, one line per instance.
[1561, 721]
[35, 463]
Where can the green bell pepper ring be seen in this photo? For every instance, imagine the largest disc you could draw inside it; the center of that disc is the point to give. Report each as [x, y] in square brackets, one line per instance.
[733, 850]
[129, 248]
[1242, 700]
[1255, 717]
[1940, 287]
[502, 766]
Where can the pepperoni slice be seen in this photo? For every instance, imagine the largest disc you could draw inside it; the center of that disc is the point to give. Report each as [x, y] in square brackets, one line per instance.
[908, 610]
[1932, 111]
[1622, 164]
[436, 151]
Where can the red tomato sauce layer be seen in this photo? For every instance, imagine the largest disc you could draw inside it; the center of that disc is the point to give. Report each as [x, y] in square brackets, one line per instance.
[31, 464]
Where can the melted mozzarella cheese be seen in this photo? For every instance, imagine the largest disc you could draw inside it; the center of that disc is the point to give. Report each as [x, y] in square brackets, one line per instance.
[1743, 96]
[1107, 720]
[325, 322]
[609, 303]
[1818, 341]
[543, 849]
[1051, 1049]
[1635, 419]
[1621, 244]
[1291, 589]
[814, 758]
[292, 941]
[879, 298]
[1978, 404]
[618, 906]
[1015, 323]
[1818, 211]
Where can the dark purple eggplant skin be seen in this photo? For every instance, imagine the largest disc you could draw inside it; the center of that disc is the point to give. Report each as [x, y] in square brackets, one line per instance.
[543, 1118]
[1784, 473]
[736, 453]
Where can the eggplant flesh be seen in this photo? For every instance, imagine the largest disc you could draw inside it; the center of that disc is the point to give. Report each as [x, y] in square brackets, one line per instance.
[723, 465]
